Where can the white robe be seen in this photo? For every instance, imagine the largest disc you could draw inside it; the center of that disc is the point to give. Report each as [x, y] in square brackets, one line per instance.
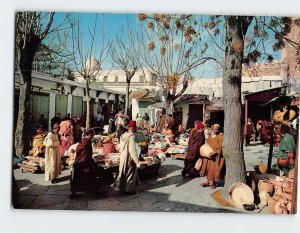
[127, 178]
[52, 157]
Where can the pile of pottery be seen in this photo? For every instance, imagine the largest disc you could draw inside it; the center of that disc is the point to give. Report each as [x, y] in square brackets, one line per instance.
[277, 194]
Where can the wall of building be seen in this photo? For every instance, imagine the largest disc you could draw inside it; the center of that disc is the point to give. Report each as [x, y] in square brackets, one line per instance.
[53, 87]
[265, 69]
[118, 77]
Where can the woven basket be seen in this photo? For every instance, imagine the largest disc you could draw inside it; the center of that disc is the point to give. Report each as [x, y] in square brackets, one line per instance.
[240, 194]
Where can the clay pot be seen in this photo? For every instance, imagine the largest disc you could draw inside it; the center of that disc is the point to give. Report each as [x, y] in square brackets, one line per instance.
[290, 181]
[265, 185]
[288, 190]
[282, 200]
[271, 204]
[278, 191]
[264, 197]
[276, 183]
[280, 208]
[291, 173]
[287, 196]
[285, 185]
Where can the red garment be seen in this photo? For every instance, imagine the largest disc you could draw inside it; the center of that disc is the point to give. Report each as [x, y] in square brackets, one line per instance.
[196, 140]
[108, 148]
[84, 172]
[171, 123]
[66, 133]
[84, 151]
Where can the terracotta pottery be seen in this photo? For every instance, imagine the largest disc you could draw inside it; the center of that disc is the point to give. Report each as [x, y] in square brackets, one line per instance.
[282, 200]
[285, 185]
[264, 197]
[271, 204]
[291, 173]
[290, 181]
[288, 190]
[278, 191]
[288, 196]
[276, 183]
[266, 185]
[280, 208]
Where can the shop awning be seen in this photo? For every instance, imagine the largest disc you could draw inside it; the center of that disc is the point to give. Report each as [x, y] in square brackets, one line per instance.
[264, 96]
[143, 94]
[191, 99]
[282, 100]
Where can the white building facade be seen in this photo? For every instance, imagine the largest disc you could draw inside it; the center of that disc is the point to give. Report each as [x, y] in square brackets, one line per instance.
[50, 95]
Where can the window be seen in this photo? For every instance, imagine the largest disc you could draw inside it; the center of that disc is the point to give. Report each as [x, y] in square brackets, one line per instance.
[142, 78]
[105, 79]
[116, 79]
[153, 80]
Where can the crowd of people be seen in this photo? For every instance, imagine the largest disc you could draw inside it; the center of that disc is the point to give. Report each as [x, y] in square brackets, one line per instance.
[265, 131]
[68, 131]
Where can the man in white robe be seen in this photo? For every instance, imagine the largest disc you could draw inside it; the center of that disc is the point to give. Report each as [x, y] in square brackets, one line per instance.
[128, 178]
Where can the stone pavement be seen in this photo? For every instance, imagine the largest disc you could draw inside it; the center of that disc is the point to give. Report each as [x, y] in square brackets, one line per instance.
[166, 192]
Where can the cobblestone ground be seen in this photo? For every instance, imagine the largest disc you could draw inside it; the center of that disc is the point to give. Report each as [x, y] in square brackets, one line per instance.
[166, 192]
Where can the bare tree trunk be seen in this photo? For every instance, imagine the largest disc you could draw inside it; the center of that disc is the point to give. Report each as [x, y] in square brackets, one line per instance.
[127, 98]
[233, 125]
[88, 99]
[170, 106]
[22, 133]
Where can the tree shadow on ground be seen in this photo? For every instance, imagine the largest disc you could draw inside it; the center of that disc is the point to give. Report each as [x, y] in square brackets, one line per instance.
[37, 196]
[63, 178]
[134, 203]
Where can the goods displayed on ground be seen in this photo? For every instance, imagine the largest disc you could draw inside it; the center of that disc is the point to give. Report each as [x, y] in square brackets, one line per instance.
[273, 191]
[262, 189]
[32, 164]
[277, 194]
[161, 146]
[107, 157]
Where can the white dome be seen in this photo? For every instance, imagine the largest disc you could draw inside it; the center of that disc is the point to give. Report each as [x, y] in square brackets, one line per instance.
[92, 64]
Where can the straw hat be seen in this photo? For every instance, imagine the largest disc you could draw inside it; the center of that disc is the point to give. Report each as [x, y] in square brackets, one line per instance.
[240, 194]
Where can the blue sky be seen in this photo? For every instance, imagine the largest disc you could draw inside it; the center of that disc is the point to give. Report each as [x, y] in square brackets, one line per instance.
[112, 27]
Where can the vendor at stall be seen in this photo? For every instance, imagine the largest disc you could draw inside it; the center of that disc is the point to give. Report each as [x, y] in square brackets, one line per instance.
[128, 179]
[38, 147]
[286, 150]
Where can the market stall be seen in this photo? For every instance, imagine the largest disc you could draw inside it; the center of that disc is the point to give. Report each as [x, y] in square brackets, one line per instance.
[107, 157]
[34, 164]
